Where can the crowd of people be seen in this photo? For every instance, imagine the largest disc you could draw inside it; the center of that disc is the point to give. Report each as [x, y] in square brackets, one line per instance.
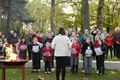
[65, 48]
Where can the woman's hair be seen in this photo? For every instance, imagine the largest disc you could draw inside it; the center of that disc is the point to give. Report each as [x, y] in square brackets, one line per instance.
[21, 40]
[34, 36]
[61, 31]
[98, 38]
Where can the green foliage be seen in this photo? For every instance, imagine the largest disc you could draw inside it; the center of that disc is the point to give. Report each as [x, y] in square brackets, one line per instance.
[18, 13]
[111, 14]
[40, 12]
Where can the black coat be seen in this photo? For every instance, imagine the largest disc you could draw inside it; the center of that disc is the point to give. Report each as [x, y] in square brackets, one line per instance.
[12, 40]
[85, 46]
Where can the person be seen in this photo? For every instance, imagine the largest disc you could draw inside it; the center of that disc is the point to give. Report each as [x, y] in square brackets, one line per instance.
[28, 37]
[2, 37]
[49, 39]
[86, 35]
[22, 47]
[61, 43]
[47, 52]
[73, 37]
[116, 47]
[118, 44]
[109, 41]
[12, 38]
[98, 34]
[83, 40]
[87, 51]
[36, 48]
[2, 50]
[94, 33]
[75, 50]
[39, 37]
[100, 50]
[104, 34]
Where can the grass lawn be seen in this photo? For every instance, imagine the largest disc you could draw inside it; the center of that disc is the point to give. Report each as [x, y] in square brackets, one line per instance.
[15, 74]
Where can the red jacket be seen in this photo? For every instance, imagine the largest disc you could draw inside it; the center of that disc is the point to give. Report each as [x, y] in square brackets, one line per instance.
[96, 44]
[75, 50]
[109, 41]
[47, 54]
[40, 39]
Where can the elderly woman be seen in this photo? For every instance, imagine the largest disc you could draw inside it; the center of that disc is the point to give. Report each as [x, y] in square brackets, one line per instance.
[61, 44]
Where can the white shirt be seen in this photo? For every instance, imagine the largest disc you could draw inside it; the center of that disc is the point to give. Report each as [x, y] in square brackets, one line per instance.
[62, 45]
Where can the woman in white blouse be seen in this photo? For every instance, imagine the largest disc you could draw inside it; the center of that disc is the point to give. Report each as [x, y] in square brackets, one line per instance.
[61, 43]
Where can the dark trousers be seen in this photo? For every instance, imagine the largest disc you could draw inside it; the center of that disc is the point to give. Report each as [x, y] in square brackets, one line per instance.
[83, 63]
[74, 64]
[52, 63]
[29, 51]
[36, 61]
[60, 66]
[100, 63]
[118, 50]
[23, 54]
[68, 62]
[111, 53]
[74, 69]
[115, 49]
[47, 66]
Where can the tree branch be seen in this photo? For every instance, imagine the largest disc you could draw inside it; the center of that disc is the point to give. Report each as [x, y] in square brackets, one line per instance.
[64, 1]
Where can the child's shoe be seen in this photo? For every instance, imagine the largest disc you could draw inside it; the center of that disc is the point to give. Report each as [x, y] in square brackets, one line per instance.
[34, 70]
[38, 70]
[45, 72]
[97, 72]
[49, 72]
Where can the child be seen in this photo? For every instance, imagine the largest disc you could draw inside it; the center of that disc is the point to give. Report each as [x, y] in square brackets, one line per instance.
[1, 50]
[87, 51]
[47, 55]
[109, 41]
[22, 47]
[75, 50]
[100, 50]
[36, 48]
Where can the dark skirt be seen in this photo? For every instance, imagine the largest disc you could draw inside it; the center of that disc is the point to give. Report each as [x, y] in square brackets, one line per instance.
[23, 54]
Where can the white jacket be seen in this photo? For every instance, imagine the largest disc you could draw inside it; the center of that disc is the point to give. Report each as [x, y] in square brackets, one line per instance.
[62, 45]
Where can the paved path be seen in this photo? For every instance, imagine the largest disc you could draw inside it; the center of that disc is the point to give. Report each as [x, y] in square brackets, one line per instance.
[108, 64]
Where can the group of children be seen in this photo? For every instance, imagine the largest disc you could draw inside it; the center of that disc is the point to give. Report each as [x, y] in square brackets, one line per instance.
[38, 51]
[87, 48]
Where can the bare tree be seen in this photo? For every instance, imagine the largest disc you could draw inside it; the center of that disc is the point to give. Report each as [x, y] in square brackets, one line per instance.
[0, 13]
[100, 14]
[9, 15]
[52, 15]
[85, 14]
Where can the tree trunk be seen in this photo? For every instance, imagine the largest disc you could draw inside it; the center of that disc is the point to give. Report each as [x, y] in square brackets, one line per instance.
[0, 13]
[100, 14]
[52, 15]
[85, 14]
[8, 15]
